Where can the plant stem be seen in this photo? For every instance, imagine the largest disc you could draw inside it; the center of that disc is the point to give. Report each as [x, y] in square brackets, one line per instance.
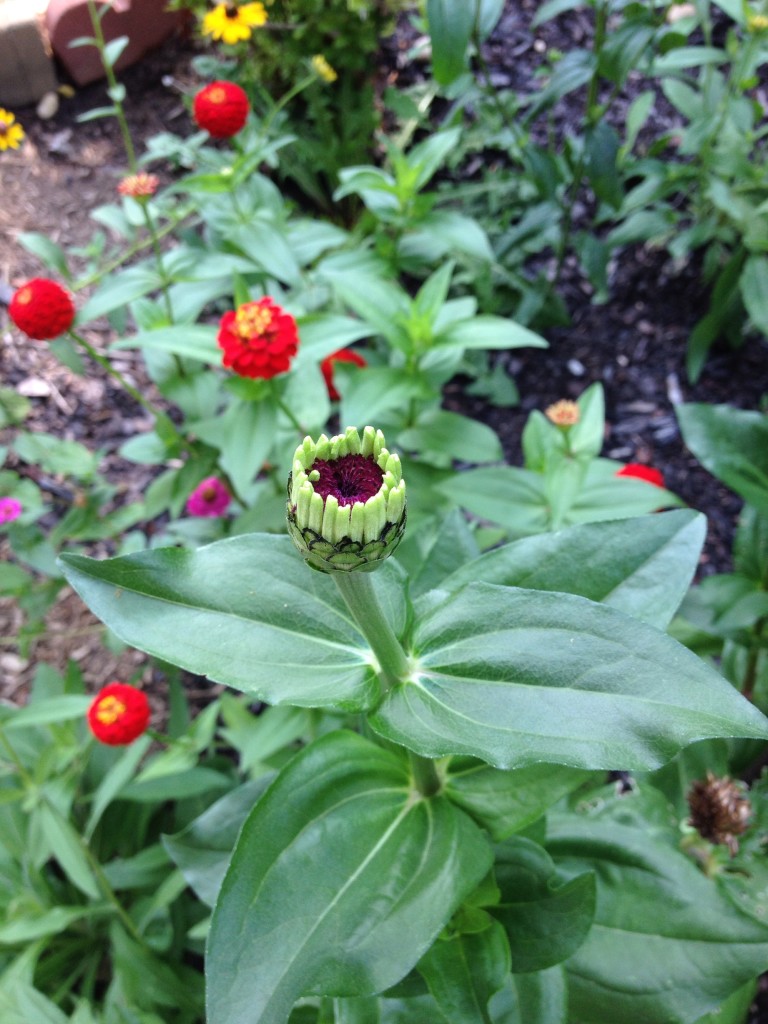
[358, 592]
[158, 260]
[112, 83]
[424, 774]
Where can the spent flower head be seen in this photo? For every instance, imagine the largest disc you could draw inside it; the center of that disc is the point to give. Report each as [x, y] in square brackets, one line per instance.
[323, 69]
[719, 810]
[10, 509]
[344, 355]
[234, 23]
[42, 309]
[210, 498]
[11, 132]
[346, 501]
[119, 714]
[564, 413]
[139, 186]
[259, 339]
[221, 108]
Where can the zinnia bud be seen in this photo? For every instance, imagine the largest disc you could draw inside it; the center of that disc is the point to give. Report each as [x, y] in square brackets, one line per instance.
[119, 714]
[344, 355]
[259, 339]
[42, 309]
[210, 498]
[221, 108]
[719, 810]
[647, 473]
[346, 501]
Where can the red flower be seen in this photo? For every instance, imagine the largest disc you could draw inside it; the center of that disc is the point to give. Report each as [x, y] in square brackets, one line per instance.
[647, 473]
[210, 498]
[119, 714]
[42, 309]
[221, 108]
[259, 339]
[344, 355]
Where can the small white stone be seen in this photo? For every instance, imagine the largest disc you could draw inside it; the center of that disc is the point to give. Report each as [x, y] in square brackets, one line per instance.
[48, 106]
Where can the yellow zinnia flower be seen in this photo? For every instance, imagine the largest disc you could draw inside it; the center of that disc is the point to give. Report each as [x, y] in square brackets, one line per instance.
[757, 23]
[11, 134]
[233, 24]
[323, 69]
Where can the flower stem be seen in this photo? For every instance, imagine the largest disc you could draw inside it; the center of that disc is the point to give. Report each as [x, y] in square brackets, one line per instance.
[109, 73]
[358, 592]
[150, 225]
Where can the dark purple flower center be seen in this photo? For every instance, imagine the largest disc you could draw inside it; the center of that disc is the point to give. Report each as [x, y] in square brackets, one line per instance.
[349, 479]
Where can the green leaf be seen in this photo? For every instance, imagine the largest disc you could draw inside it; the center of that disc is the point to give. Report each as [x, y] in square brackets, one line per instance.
[244, 435]
[193, 341]
[546, 918]
[647, 579]
[54, 455]
[428, 156]
[601, 149]
[203, 849]
[322, 335]
[504, 802]
[489, 332]
[677, 943]
[246, 612]
[683, 57]
[753, 285]
[463, 972]
[50, 711]
[68, 849]
[48, 252]
[538, 998]
[732, 444]
[519, 676]
[118, 290]
[340, 881]
[369, 395]
[516, 498]
[51, 922]
[268, 248]
[450, 24]
[456, 437]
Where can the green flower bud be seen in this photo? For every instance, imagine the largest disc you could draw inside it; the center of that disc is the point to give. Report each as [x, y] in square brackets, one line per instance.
[346, 501]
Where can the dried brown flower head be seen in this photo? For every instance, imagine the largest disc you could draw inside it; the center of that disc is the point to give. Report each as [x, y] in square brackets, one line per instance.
[564, 413]
[719, 810]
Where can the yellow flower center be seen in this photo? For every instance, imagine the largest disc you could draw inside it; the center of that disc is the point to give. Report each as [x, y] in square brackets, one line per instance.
[217, 94]
[24, 297]
[252, 320]
[110, 709]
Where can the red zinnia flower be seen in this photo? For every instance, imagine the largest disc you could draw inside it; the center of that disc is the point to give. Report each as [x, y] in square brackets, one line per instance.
[119, 714]
[647, 473]
[221, 108]
[259, 339]
[42, 309]
[344, 355]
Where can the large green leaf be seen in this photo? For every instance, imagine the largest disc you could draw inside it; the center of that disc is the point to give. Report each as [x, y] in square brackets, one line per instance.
[667, 944]
[464, 971]
[340, 881]
[193, 341]
[450, 23]
[732, 444]
[246, 612]
[518, 676]
[504, 802]
[647, 578]
[546, 918]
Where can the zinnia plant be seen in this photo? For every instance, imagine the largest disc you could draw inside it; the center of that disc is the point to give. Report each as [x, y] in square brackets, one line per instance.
[42, 309]
[259, 339]
[119, 714]
[221, 108]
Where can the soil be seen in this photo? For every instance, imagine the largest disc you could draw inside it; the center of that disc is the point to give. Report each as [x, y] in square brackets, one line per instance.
[634, 343]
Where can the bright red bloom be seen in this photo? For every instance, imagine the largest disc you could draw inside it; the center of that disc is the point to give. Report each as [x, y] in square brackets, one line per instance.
[647, 473]
[119, 714]
[42, 309]
[344, 355]
[259, 339]
[221, 108]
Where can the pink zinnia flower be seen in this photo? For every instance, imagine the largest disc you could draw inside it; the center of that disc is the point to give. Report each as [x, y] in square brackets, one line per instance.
[209, 498]
[10, 509]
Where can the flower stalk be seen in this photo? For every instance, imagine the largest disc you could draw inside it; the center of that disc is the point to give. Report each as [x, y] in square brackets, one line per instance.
[360, 597]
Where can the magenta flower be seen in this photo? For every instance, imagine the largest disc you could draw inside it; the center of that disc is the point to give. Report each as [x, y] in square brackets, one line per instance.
[10, 509]
[209, 498]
